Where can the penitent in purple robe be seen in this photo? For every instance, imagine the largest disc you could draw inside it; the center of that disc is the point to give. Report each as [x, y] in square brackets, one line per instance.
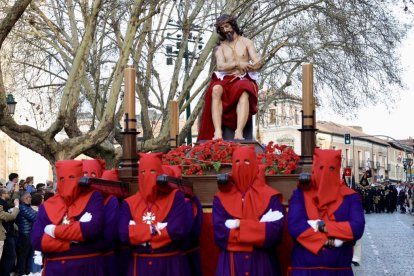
[262, 260]
[64, 254]
[167, 260]
[327, 261]
[191, 245]
[110, 235]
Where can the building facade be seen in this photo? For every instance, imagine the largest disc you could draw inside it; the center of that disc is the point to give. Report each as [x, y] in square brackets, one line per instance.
[383, 157]
[9, 156]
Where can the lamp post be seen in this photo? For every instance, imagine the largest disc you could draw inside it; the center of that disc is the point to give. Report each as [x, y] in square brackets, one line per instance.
[407, 162]
[11, 104]
[187, 54]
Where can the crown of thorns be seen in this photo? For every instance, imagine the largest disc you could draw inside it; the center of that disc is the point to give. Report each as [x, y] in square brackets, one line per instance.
[225, 18]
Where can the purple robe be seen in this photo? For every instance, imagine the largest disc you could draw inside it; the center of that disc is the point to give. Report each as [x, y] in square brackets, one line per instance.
[191, 245]
[78, 257]
[337, 260]
[110, 235]
[262, 260]
[167, 260]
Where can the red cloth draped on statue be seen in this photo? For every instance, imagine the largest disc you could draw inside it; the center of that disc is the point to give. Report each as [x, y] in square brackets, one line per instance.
[233, 88]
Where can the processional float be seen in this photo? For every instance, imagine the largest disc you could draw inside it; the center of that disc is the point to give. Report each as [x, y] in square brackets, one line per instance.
[206, 186]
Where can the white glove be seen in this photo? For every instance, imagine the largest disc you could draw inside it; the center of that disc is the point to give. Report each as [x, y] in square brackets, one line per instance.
[338, 242]
[271, 216]
[313, 224]
[50, 230]
[266, 216]
[86, 217]
[131, 222]
[38, 258]
[161, 225]
[232, 223]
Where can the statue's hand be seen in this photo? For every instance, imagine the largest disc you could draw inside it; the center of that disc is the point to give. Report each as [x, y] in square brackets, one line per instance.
[255, 66]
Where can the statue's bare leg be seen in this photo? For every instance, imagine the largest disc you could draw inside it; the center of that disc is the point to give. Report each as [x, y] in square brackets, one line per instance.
[242, 115]
[217, 111]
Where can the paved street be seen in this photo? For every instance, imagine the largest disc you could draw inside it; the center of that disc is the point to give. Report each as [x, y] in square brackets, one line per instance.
[387, 245]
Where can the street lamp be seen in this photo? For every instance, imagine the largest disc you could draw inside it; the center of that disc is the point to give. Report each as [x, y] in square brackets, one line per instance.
[170, 53]
[11, 104]
[407, 162]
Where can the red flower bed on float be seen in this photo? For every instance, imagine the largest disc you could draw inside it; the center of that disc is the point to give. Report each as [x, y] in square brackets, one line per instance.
[210, 157]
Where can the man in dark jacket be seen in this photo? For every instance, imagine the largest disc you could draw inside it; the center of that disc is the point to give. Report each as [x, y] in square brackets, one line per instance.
[25, 221]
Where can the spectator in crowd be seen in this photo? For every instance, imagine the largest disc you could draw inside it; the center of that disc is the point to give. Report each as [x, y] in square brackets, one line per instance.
[25, 221]
[22, 185]
[48, 195]
[13, 179]
[402, 198]
[8, 258]
[50, 186]
[6, 217]
[30, 186]
[41, 188]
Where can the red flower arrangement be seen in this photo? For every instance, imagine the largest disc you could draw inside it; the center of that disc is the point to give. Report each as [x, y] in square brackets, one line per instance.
[278, 159]
[202, 158]
[212, 155]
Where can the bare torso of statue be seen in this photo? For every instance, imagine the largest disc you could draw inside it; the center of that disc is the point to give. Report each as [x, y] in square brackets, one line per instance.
[235, 52]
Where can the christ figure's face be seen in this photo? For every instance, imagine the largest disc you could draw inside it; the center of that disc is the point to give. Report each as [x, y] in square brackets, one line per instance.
[228, 31]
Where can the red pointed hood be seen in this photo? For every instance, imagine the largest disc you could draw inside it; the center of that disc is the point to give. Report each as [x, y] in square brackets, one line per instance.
[250, 195]
[148, 197]
[149, 168]
[244, 167]
[110, 175]
[69, 199]
[93, 167]
[327, 191]
[173, 170]
[68, 174]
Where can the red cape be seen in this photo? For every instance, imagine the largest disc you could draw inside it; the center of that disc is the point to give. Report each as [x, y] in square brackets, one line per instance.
[256, 200]
[56, 208]
[233, 89]
[161, 207]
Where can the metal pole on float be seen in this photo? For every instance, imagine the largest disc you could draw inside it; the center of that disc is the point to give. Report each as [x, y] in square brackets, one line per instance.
[128, 167]
[308, 130]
